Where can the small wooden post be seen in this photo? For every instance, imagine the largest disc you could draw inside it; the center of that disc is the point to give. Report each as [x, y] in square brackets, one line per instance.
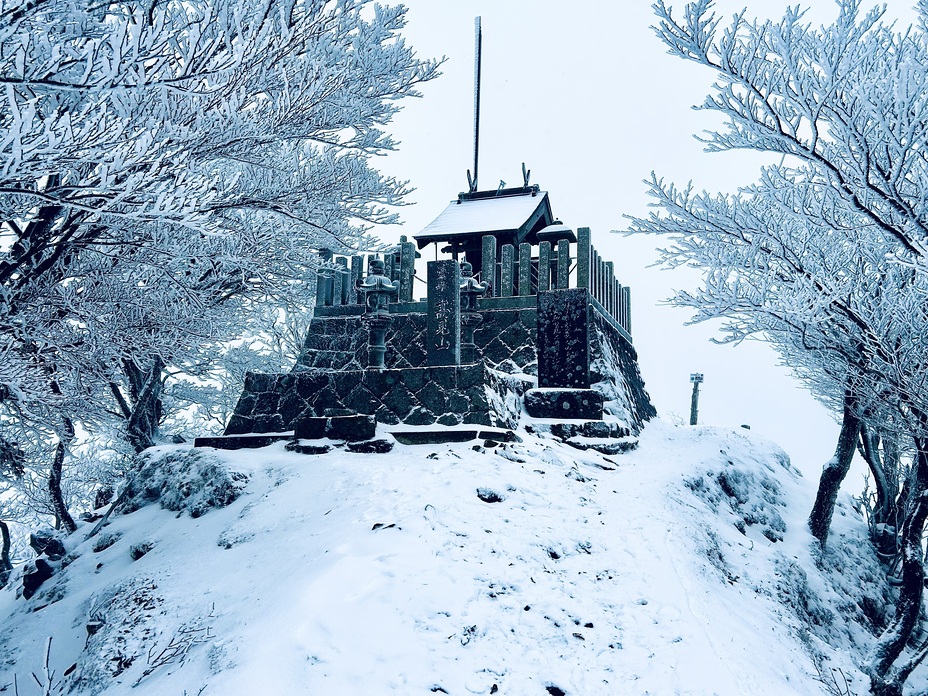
[389, 263]
[609, 304]
[620, 305]
[618, 300]
[407, 269]
[340, 293]
[357, 270]
[627, 292]
[696, 379]
[324, 281]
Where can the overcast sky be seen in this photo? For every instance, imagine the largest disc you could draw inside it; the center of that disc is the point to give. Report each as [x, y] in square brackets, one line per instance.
[591, 102]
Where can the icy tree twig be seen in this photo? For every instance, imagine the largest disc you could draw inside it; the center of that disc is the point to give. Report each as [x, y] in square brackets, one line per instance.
[180, 644]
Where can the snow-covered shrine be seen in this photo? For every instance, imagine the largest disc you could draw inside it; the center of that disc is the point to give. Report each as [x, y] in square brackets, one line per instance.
[524, 322]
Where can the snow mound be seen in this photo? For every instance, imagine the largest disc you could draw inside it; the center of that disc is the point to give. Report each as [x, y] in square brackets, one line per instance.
[683, 567]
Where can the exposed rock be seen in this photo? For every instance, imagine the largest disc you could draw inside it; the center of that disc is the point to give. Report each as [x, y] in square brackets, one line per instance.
[488, 495]
[136, 551]
[303, 448]
[378, 446]
[33, 578]
[103, 496]
[47, 542]
[105, 540]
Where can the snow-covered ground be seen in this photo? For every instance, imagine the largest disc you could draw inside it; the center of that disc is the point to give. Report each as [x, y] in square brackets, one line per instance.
[684, 567]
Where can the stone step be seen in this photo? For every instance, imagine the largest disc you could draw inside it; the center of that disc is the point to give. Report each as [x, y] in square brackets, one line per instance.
[249, 441]
[438, 436]
[563, 403]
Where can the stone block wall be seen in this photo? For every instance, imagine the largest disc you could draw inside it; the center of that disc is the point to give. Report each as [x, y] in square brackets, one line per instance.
[614, 372]
[331, 374]
[415, 396]
[507, 334]
[340, 343]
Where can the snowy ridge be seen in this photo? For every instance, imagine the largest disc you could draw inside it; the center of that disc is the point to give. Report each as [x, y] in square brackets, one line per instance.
[392, 574]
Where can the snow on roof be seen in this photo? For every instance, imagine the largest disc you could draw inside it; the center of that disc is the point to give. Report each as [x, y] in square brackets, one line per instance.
[483, 215]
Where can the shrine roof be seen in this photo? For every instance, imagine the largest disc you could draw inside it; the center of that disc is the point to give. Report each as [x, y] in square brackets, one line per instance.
[511, 213]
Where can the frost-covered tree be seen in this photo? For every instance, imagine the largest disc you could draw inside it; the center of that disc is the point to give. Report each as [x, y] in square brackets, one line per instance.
[826, 255]
[818, 288]
[164, 168]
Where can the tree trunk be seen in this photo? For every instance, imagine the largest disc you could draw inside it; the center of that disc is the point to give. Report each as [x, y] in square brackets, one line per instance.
[885, 689]
[835, 470]
[884, 511]
[884, 521]
[54, 479]
[6, 567]
[909, 605]
[143, 415]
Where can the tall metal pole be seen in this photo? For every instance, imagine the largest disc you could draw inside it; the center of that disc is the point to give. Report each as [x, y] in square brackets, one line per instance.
[696, 379]
[478, 43]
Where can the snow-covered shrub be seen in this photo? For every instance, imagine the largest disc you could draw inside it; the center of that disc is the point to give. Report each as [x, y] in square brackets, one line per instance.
[182, 480]
[855, 575]
[105, 540]
[136, 551]
[753, 498]
[123, 631]
[794, 592]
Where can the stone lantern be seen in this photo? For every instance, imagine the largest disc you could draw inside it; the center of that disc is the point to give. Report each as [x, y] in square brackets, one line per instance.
[377, 289]
[471, 289]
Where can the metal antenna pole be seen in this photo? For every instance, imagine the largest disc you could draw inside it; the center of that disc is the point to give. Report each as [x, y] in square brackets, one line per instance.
[478, 42]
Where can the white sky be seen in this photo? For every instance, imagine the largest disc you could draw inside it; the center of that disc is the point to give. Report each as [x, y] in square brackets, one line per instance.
[591, 102]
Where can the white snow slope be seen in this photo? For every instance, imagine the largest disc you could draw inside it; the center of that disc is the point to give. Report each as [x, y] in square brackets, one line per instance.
[387, 574]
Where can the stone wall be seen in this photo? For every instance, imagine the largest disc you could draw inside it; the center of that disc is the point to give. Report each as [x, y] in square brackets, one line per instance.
[614, 372]
[340, 342]
[415, 396]
[507, 334]
[331, 374]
